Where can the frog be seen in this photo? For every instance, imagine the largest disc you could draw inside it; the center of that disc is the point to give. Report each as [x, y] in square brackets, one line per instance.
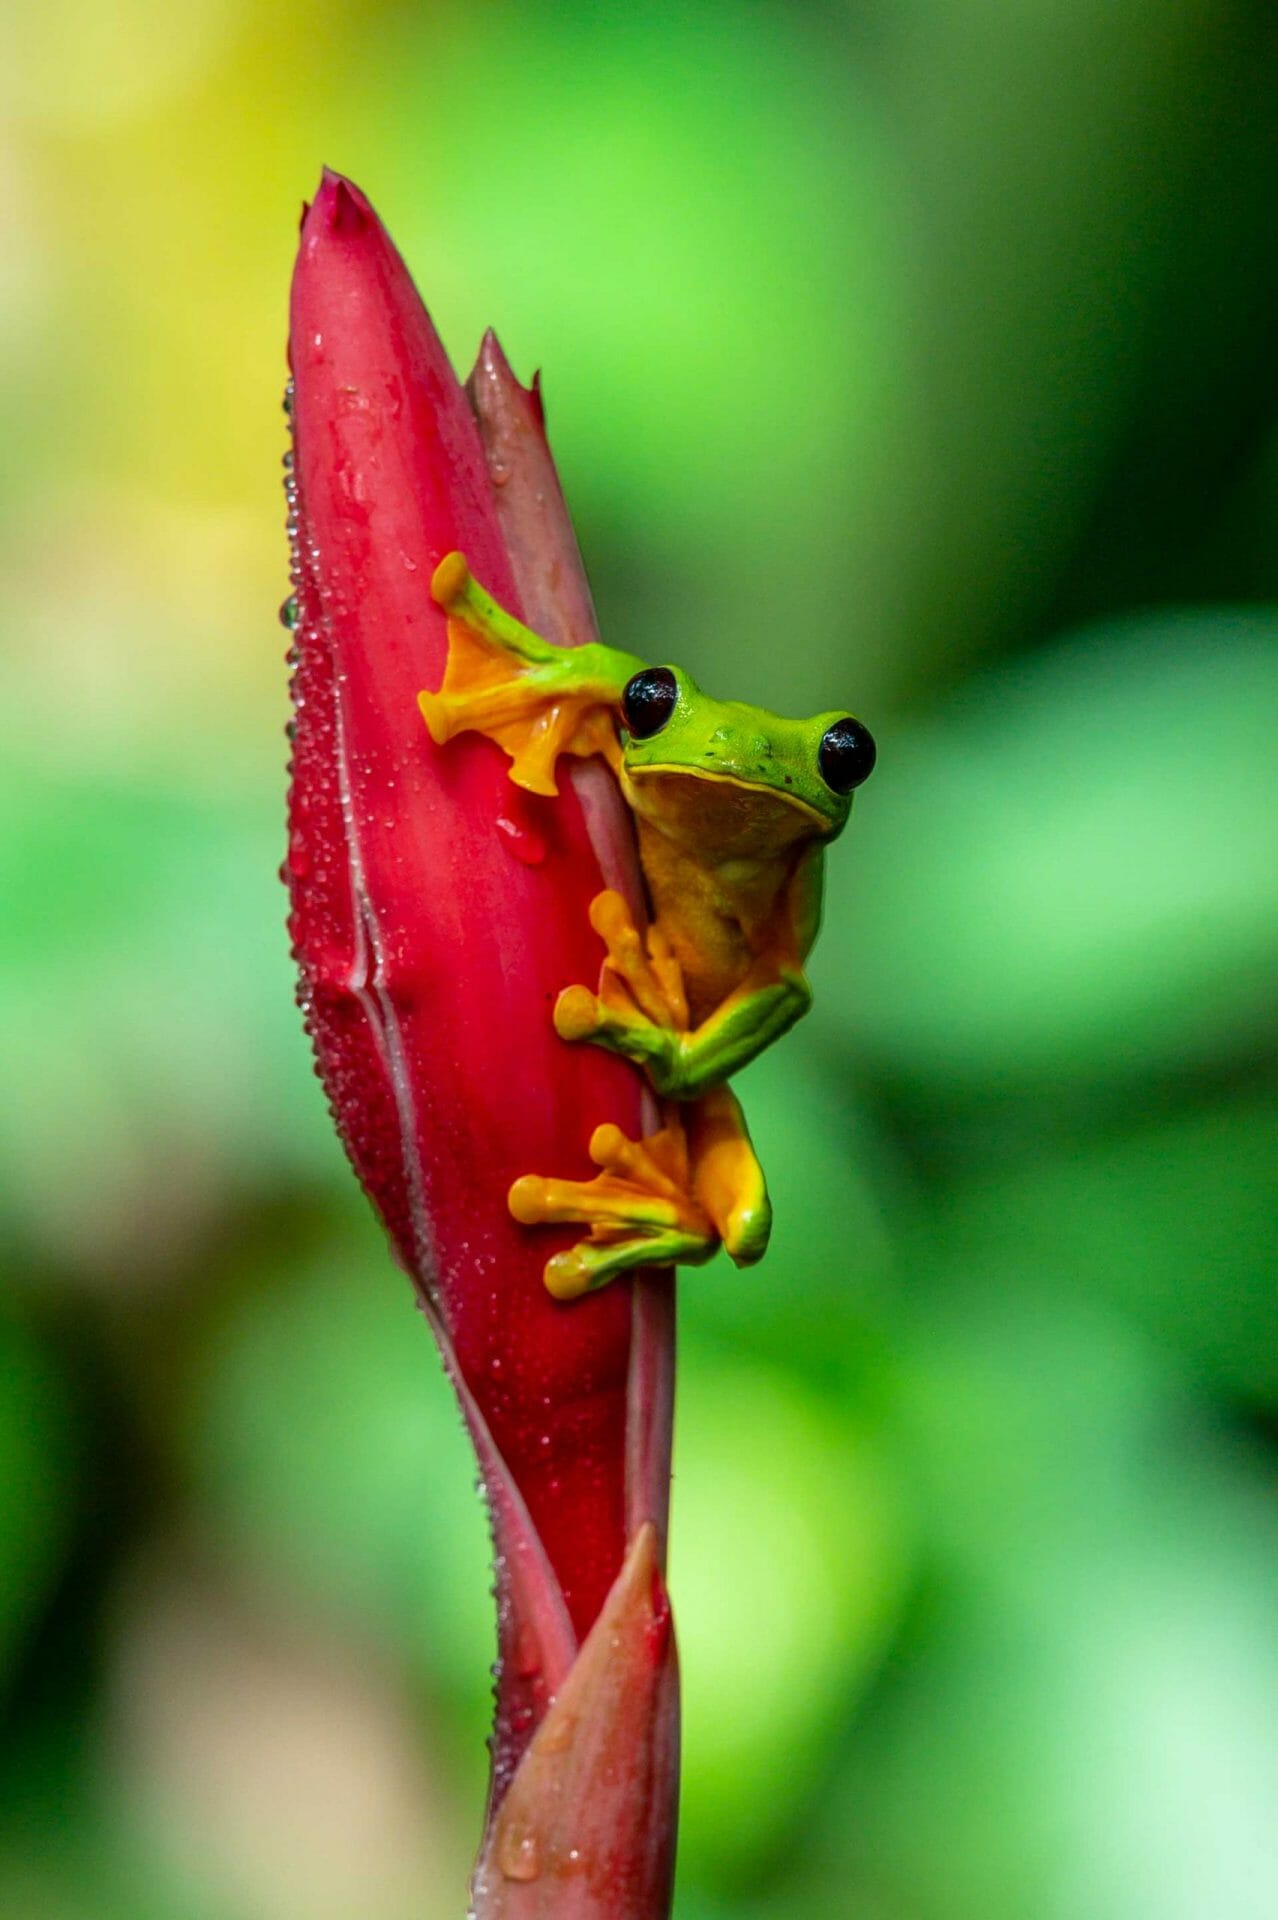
[733, 809]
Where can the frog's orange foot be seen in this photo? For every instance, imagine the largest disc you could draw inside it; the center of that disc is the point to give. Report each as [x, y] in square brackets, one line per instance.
[640, 1009]
[535, 699]
[640, 1209]
[669, 1199]
[640, 973]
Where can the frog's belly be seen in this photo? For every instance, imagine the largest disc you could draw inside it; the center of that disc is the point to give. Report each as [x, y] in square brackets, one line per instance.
[718, 920]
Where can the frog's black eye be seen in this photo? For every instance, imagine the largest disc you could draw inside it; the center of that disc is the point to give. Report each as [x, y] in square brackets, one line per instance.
[648, 700]
[847, 755]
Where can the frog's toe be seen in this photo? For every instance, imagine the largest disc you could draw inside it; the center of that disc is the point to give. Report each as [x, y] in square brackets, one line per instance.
[576, 1014]
[592, 1263]
[570, 1274]
[527, 1200]
[747, 1229]
[436, 711]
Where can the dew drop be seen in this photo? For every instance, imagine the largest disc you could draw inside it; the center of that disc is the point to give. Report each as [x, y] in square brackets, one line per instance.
[299, 859]
[518, 1854]
[521, 842]
[526, 1654]
[288, 612]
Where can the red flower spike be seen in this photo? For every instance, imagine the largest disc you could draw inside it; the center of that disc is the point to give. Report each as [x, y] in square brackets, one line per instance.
[552, 583]
[436, 914]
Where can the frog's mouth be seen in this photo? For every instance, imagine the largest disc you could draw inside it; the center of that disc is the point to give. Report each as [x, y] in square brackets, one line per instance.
[724, 811]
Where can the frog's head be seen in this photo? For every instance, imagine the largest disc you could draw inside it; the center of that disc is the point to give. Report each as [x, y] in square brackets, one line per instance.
[738, 770]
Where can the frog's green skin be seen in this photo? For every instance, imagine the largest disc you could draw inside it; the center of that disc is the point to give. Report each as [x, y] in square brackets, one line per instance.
[733, 817]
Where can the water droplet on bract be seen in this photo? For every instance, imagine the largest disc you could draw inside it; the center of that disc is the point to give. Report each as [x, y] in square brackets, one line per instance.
[526, 1653]
[500, 472]
[288, 612]
[518, 1854]
[299, 859]
[521, 842]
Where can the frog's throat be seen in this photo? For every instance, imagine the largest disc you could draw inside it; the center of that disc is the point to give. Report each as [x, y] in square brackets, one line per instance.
[632, 776]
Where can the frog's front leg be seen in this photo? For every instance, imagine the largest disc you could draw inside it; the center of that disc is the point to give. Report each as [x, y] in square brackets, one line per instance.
[535, 699]
[640, 982]
[640, 1010]
[672, 1198]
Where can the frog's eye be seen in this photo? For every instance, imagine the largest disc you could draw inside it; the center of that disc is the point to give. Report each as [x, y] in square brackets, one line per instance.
[846, 755]
[648, 700]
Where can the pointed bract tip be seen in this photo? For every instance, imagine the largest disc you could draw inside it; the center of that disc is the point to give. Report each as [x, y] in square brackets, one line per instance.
[492, 358]
[493, 375]
[348, 216]
[339, 204]
[590, 1808]
[301, 219]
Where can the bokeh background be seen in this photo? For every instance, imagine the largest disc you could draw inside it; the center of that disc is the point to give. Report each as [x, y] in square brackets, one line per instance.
[917, 355]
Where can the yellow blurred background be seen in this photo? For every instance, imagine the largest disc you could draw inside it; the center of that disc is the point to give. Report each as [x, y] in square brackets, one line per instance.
[913, 355]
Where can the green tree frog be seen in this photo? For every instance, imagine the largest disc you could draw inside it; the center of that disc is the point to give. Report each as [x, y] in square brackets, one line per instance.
[733, 810]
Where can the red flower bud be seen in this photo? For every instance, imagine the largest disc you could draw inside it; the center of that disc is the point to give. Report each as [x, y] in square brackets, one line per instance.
[437, 911]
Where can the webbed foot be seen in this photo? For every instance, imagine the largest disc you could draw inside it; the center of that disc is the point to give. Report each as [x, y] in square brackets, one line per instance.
[535, 699]
[640, 984]
[669, 1199]
[641, 1009]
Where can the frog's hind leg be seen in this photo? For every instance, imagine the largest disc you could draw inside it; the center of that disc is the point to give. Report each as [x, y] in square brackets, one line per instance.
[669, 1199]
[726, 1176]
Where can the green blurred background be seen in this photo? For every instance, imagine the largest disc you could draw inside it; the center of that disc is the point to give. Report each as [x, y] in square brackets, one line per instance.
[913, 354]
